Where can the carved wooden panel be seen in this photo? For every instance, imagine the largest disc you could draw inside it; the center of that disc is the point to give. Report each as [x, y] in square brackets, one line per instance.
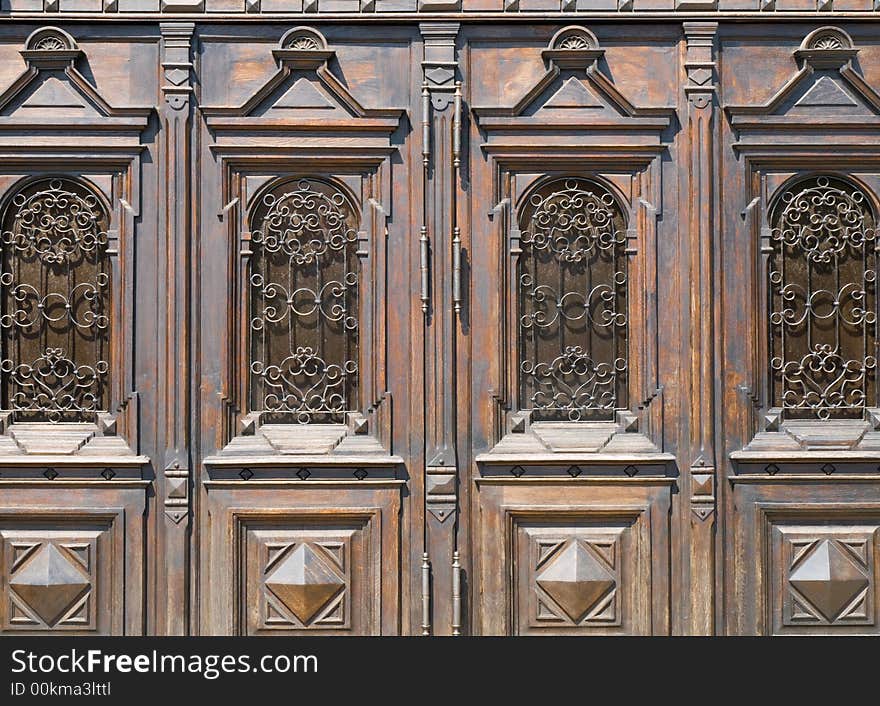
[306, 575]
[307, 557]
[76, 569]
[571, 576]
[807, 556]
[592, 559]
[824, 576]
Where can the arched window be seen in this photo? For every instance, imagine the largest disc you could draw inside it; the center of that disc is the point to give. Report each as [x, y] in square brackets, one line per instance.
[303, 302]
[572, 302]
[55, 319]
[822, 289]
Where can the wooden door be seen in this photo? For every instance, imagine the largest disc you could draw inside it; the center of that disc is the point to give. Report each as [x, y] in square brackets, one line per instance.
[326, 318]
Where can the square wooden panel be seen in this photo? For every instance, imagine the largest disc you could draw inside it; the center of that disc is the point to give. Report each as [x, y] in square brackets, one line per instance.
[51, 579]
[579, 557]
[303, 557]
[75, 569]
[306, 576]
[805, 557]
[572, 577]
[822, 577]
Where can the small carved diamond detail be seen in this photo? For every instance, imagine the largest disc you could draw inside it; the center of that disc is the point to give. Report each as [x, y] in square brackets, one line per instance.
[575, 580]
[49, 584]
[304, 583]
[829, 579]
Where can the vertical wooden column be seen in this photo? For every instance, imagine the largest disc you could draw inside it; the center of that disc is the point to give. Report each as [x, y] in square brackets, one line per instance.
[441, 123]
[699, 190]
[174, 483]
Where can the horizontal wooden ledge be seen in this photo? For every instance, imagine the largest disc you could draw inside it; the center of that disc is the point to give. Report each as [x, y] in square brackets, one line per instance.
[465, 17]
[818, 456]
[754, 118]
[298, 461]
[216, 120]
[583, 459]
[508, 123]
[139, 484]
[799, 478]
[293, 483]
[579, 480]
[78, 461]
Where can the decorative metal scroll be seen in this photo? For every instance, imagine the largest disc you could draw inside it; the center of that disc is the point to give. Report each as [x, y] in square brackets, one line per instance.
[303, 303]
[822, 289]
[572, 302]
[55, 320]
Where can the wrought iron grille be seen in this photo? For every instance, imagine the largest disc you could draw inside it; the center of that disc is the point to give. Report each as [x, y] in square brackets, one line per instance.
[304, 303]
[822, 288]
[55, 319]
[572, 302]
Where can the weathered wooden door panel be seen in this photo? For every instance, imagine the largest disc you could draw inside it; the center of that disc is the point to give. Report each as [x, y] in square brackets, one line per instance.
[327, 322]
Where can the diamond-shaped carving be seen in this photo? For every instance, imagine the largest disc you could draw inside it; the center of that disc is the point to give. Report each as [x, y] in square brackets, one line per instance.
[177, 486]
[304, 582]
[576, 580]
[829, 579]
[49, 583]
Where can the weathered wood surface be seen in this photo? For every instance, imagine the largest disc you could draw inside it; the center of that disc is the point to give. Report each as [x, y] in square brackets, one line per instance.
[436, 500]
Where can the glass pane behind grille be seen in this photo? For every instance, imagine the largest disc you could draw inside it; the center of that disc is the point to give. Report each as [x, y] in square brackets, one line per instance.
[56, 302]
[572, 303]
[303, 299]
[822, 288]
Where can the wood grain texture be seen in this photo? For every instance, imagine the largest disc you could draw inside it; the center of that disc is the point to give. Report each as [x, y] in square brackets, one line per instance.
[438, 498]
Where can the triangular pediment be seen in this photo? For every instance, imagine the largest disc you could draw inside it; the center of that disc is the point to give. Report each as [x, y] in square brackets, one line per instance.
[573, 94]
[58, 97]
[51, 94]
[824, 93]
[569, 94]
[302, 95]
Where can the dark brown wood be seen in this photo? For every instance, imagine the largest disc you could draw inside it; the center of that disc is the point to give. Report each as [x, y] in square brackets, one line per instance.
[372, 445]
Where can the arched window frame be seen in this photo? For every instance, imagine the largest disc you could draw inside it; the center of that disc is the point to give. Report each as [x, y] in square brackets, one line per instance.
[610, 393]
[353, 402]
[67, 408]
[775, 366]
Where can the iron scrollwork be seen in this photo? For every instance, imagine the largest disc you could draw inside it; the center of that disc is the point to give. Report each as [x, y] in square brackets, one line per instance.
[573, 302]
[822, 287]
[304, 310]
[55, 318]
